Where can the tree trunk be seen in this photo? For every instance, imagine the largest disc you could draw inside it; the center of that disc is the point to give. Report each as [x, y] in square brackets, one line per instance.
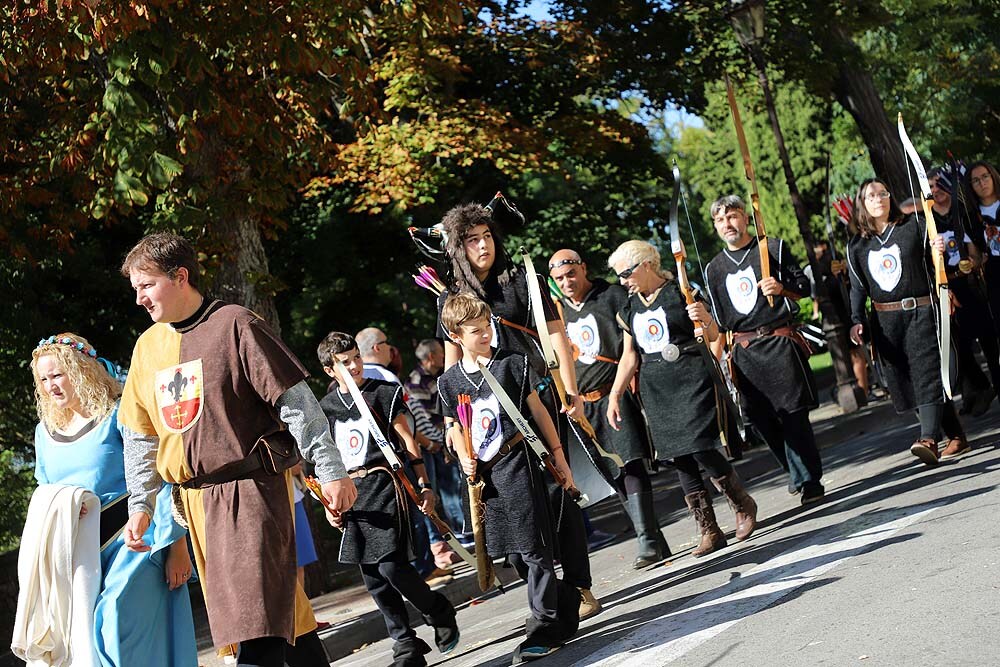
[236, 279]
[233, 238]
[856, 92]
[848, 394]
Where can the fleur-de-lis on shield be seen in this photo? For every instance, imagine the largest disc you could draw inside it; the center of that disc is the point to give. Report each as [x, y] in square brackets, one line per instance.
[177, 385]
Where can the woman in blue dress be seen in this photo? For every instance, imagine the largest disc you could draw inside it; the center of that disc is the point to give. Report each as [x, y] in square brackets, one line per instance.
[143, 612]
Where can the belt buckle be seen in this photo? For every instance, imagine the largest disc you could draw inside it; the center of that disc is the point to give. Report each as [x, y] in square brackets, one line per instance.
[909, 303]
[763, 331]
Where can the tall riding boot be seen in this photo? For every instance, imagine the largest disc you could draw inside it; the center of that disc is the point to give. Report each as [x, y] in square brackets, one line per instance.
[743, 505]
[712, 537]
[652, 546]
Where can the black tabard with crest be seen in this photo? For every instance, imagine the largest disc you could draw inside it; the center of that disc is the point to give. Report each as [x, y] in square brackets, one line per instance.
[890, 267]
[773, 369]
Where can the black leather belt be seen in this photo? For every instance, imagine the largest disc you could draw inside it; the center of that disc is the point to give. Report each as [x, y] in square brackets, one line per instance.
[686, 348]
[505, 449]
[273, 453]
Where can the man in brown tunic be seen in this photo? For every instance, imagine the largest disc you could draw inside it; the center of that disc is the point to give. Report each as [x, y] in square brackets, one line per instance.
[216, 404]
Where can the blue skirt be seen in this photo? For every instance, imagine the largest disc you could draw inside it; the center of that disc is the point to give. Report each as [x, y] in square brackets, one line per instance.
[138, 620]
[305, 550]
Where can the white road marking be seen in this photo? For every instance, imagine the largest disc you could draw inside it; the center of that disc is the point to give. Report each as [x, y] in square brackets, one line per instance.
[670, 637]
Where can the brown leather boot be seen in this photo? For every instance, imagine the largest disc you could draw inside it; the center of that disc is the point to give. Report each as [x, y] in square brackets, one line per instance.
[956, 447]
[712, 537]
[743, 505]
[926, 450]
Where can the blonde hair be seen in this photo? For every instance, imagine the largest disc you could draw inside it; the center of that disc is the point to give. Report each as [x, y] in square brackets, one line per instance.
[97, 390]
[461, 308]
[637, 252]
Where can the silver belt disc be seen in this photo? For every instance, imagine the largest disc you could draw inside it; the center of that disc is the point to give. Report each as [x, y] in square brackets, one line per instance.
[671, 352]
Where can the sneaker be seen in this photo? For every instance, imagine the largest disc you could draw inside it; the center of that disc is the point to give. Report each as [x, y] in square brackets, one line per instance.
[926, 450]
[446, 638]
[792, 489]
[527, 652]
[956, 447]
[589, 605]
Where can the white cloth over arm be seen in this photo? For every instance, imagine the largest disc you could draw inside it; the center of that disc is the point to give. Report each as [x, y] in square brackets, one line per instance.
[59, 578]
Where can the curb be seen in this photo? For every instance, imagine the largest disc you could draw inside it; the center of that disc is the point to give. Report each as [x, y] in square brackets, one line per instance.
[342, 639]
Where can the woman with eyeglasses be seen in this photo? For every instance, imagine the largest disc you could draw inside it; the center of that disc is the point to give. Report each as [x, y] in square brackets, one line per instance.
[983, 179]
[677, 388]
[888, 263]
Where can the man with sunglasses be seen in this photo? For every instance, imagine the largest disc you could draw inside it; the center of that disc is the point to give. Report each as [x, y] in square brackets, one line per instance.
[588, 308]
[770, 357]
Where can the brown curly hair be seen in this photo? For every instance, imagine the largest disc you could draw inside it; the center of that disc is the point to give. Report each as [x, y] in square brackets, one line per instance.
[457, 222]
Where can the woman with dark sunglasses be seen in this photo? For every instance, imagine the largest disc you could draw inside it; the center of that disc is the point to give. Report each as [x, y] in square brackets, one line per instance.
[676, 387]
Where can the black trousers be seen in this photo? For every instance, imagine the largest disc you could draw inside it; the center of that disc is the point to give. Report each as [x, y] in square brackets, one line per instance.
[634, 479]
[689, 468]
[389, 582]
[555, 604]
[262, 652]
[540, 574]
[938, 417]
[571, 533]
[790, 437]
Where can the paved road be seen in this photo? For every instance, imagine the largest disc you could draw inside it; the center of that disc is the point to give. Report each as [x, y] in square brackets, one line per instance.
[898, 567]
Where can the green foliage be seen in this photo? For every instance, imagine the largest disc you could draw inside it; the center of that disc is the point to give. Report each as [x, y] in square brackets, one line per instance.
[941, 61]
[711, 159]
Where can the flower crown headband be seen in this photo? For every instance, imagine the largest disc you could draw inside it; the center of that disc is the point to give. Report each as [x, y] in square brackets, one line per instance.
[113, 369]
[66, 340]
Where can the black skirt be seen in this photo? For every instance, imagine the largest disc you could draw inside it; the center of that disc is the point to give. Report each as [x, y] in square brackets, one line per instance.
[631, 442]
[905, 343]
[374, 527]
[679, 400]
[774, 370]
[517, 514]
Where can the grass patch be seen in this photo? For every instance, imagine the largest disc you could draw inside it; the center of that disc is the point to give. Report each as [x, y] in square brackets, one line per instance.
[821, 362]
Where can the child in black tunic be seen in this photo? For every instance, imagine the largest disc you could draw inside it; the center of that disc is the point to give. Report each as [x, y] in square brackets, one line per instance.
[517, 512]
[376, 530]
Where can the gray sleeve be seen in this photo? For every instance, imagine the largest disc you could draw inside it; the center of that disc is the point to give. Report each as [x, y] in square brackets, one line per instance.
[141, 478]
[307, 423]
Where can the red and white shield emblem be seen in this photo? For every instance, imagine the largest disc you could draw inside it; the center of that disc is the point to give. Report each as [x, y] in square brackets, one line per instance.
[179, 395]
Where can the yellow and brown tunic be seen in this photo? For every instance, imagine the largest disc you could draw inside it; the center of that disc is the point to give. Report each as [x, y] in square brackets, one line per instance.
[207, 388]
